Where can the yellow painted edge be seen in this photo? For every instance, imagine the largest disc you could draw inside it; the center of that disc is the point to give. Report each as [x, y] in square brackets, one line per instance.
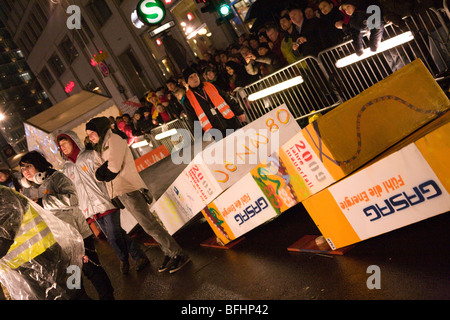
[330, 220]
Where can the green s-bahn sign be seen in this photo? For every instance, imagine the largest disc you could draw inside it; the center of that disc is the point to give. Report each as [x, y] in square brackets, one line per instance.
[151, 12]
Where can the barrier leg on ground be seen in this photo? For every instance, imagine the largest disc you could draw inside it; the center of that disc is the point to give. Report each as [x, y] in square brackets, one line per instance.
[316, 244]
[215, 242]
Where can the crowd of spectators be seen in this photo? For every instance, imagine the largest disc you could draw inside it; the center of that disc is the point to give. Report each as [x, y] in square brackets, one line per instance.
[158, 107]
[304, 28]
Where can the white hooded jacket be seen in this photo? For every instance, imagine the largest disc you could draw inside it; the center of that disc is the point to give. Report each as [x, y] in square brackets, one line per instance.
[93, 195]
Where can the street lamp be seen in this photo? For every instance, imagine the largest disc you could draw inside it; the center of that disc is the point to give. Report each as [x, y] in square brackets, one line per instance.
[276, 88]
[384, 45]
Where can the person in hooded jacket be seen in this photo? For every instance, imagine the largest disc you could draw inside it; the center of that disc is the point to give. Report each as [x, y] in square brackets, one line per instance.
[56, 193]
[115, 165]
[94, 200]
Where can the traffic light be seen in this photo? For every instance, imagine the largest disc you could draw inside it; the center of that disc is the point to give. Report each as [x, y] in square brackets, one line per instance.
[224, 10]
[225, 13]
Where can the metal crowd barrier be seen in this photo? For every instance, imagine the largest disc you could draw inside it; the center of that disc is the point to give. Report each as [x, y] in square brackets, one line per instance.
[433, 38]
[313, 95]
[430, 44]
[175, 140]
[326, 86]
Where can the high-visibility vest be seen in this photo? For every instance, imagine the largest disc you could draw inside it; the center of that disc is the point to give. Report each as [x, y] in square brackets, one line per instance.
[34, 238]
[219, 103]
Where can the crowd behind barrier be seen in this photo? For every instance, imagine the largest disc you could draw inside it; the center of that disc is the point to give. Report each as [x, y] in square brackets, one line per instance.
[267, 57]
[326, 86]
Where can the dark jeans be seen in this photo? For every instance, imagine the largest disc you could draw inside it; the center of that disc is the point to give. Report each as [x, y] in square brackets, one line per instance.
[376, 35]
[118, 238]
[95, 272]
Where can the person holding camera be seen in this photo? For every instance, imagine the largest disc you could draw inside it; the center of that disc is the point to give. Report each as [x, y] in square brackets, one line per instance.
[308, 42]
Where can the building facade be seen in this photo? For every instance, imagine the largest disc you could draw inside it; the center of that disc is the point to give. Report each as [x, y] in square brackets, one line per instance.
[110, 53]
[21, 96]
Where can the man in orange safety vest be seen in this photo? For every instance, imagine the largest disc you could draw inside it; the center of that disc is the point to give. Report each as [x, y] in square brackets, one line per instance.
[211, 106]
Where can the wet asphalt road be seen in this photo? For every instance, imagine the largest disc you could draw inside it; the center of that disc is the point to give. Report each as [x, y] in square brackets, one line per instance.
[413, 262]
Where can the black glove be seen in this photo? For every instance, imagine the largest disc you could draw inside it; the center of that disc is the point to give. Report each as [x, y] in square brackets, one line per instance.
[104, 174]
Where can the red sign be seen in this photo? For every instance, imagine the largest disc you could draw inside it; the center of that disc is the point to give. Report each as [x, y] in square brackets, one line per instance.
[104, 69]
[69, 87]
[151, 158]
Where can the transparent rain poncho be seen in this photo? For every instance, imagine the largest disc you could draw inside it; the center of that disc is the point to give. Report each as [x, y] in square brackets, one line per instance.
[38, 252]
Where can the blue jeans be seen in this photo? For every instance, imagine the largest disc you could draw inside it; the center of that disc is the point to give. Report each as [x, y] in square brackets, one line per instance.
[118, 238]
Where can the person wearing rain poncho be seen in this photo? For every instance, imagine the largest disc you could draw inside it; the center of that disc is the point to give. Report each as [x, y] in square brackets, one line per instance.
[36, 251]
[94, 200]
[115, 165]
[56, 193]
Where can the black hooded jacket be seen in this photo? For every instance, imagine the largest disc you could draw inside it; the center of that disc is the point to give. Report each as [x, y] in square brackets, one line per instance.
[358, 24]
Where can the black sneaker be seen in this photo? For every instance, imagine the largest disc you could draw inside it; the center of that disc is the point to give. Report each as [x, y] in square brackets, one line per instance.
[178, 262]
[165, 264]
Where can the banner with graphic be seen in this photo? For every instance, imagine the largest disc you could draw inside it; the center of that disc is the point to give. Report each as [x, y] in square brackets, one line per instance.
[343, 140]
[185, 197]
[240, 209]
[396, 191]
[274, 181]
[307, 161]
[173, 208]
[221, 165]
[308, 173]
[231, 158]
[151, 158]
